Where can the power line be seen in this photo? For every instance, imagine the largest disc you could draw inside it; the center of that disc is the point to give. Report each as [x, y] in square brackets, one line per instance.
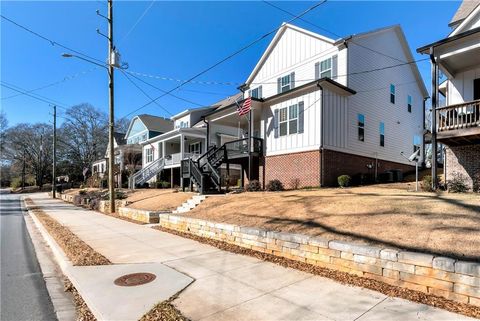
[66, 78]
[138, 21]
[52, 42]
[229, 56]
[331, 32]
[162, 90]
[144, 92]
[200, 82]
[40, 98]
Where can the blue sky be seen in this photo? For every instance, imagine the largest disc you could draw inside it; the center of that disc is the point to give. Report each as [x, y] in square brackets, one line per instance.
[173, 40]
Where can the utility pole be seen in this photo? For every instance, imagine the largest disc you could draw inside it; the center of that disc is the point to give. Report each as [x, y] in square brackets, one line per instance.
[54, 174]
[111, 57]
[23, 169]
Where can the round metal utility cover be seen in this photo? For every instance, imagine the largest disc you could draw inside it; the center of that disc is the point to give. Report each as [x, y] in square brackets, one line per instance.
[135, 279]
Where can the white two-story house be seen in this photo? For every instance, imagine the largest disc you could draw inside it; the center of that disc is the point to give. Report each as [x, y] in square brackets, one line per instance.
[456, 125]
[323, 107]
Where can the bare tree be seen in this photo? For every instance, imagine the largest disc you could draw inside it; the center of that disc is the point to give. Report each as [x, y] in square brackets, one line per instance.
[83, 138]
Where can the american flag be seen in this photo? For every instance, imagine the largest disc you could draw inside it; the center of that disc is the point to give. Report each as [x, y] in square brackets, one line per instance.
[245, 107]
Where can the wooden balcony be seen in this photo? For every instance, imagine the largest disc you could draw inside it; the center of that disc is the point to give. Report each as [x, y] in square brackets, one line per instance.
[459, 124]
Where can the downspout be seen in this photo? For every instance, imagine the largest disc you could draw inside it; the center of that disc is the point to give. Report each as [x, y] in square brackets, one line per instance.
[423, 131]
[322, 132]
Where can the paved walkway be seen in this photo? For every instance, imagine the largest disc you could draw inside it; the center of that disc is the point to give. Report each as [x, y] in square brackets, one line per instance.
[230, 286]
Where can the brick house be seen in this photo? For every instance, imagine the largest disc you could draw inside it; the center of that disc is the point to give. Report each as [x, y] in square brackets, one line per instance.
[320, 108]
[457, 124]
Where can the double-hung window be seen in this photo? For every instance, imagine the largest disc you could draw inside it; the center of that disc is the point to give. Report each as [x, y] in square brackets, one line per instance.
[382, 134]
[392, 93]
[409, 103]
[289, 120]
[285, 83]
[326, 68]
[256, 93]
[283, 121]
[293, 119]
[361, 127]
[149, 155]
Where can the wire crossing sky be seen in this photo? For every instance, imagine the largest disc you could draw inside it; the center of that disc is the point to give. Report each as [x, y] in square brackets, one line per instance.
[172, 41]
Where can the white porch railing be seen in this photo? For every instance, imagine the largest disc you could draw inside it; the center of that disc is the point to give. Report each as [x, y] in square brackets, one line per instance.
[175, 159]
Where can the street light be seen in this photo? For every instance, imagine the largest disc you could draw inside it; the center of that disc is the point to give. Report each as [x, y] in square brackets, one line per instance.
[111, 181]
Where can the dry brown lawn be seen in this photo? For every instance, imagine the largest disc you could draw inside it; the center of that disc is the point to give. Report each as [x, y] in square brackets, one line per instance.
[157, 199]
[384, 215]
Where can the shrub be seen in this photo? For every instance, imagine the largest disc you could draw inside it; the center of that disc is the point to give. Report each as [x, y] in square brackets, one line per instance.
[275, 185]
[295, 183]
[165, 184]
[476, 182]
[254, 186]
[457, 184]
[82, 192]
[16, 182]
[344, 180]
[427, 183]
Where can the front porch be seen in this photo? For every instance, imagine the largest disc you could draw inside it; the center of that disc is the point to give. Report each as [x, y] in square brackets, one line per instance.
[458, 124]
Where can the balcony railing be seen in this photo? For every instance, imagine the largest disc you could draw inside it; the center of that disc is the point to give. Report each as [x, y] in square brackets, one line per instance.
[175, 159]
[458, 116]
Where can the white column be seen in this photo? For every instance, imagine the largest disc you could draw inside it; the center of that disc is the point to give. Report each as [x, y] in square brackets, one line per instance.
[182, 146]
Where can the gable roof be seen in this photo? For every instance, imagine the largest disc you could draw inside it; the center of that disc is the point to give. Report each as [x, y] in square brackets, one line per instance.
[156, 123]
[227, 101]
[465, 9]
[152, 123]
[406, 50]
[192, 110]
[275, 41]
[119, 138]
[463, 25]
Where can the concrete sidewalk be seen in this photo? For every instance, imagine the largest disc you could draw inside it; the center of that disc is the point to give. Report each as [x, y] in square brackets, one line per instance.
[230, 286]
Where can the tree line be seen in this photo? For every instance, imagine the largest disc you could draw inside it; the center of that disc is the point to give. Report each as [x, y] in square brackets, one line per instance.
[27, 148]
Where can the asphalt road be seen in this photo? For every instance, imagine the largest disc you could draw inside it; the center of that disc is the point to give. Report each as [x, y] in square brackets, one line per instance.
[23, 294]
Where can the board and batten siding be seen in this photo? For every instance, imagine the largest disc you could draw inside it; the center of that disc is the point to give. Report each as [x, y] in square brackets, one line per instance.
[460, 88]
[373, 98]
[296, 52]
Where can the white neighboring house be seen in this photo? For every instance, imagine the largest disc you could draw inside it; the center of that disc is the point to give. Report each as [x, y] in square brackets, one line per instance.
[162, 154]
[456, 123]
[322, 108]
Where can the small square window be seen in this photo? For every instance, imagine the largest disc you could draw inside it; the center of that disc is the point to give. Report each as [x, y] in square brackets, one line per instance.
[409, 104]
[285, 83]
[326, 68]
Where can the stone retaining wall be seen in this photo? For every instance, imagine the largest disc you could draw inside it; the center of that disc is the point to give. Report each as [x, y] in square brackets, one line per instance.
[140, 215]
[103, 206]
[440, 276]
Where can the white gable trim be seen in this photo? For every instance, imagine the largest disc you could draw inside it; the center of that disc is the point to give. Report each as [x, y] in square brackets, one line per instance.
[131, 124]
[466, 21]
[274, 42]
[406, 49]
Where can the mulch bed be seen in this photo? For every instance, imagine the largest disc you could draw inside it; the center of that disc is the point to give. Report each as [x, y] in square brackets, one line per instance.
[81, 254]
[342, 277]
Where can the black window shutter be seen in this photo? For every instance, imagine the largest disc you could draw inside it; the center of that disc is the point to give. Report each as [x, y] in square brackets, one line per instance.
[334, 66]
[275, 123]
[260, 92]
[292, 80]
[317, 70]
[300, 117]
[279, 85]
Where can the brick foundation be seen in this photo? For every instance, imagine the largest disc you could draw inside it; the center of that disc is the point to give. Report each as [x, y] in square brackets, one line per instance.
[337, 163]
[441, 276]
[305, 167]
[463, 160]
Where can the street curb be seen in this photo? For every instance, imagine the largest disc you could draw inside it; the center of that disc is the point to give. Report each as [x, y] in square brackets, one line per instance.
[62, 260]
[63, 303]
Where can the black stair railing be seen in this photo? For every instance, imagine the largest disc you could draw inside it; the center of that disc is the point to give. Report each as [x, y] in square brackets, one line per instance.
[206, 168]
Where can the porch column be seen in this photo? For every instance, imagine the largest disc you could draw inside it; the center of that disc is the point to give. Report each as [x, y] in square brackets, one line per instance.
[163, 149]
[434, 116]
[182, 155]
